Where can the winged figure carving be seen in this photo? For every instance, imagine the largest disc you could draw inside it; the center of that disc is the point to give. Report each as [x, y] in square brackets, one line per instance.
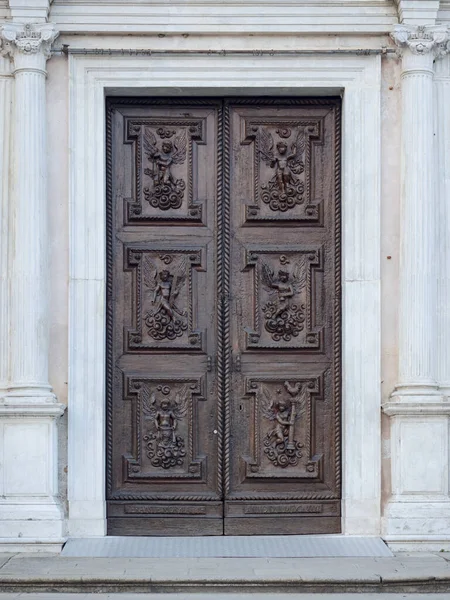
[280, 446]
[284, 317]
[164, 446]
[284, 190]
[178, 406]
[285, 285]
[163, 158]
[167, 192]
[166, 319]
[284, 160]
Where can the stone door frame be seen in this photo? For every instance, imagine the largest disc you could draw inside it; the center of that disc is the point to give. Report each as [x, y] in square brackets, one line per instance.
[357, 78]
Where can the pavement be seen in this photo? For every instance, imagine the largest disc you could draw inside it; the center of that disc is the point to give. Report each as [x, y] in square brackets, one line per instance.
[404, 573]
[252, 596]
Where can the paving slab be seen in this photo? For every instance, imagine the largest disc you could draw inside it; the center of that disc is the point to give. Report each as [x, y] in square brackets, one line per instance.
[258, 596]
[4, 558]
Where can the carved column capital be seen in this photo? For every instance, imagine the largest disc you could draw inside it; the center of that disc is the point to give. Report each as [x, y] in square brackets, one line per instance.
[28, 40]
[422, 40]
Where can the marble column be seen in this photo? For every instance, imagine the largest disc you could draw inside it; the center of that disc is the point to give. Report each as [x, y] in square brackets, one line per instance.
[29, 507]
[5, 138]
[419, 509]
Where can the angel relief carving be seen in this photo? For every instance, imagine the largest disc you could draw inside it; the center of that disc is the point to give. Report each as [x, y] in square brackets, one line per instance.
[283, 191]
[167, 192]
[165, 320]
[280, 445]
[284, 313]
[164, 447]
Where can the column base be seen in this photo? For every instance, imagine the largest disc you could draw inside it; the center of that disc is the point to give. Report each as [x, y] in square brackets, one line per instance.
[31, 515]
[417, 525]
[31, 526]
[417, 516]
[414, 394]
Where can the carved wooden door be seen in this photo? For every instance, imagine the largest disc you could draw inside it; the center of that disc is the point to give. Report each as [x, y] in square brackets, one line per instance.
[223, 316]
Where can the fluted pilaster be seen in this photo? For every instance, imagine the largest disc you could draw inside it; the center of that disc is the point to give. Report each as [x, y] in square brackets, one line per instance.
[442, 87]
[5, 120]
[418, 511]
[29, 46]
[29, 504]
[418, 265]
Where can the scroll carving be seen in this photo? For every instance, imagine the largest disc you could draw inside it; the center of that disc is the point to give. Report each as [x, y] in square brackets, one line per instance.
[28, 39]
[422, 39]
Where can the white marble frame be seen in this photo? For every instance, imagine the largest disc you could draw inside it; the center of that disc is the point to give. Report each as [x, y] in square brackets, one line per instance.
[358, 79]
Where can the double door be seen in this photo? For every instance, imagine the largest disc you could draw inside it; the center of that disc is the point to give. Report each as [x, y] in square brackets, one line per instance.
[223, 316]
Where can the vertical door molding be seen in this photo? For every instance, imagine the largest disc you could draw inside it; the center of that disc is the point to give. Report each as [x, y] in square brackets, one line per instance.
[359, 79]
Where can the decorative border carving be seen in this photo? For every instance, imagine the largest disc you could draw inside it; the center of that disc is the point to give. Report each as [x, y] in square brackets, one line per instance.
[338, 308]
[224, 272]
[223, 235]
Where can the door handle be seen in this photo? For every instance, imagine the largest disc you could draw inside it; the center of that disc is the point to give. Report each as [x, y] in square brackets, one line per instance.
[210, 363]
[237, 363]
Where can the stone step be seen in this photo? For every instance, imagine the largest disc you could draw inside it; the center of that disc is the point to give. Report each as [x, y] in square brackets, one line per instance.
[402, 574]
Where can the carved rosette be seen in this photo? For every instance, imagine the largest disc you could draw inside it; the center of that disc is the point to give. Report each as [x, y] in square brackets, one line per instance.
[24, 42]
[422, 40]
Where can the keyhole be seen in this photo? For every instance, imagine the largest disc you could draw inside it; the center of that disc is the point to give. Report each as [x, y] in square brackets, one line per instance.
[240, 407]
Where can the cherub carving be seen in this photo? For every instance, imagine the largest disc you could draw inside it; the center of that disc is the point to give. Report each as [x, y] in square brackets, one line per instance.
[284, 190]
[166, 320]
[284, 319]
[280, 446]
[164, 447]
[276, 410]
[167, 191]
[162, 159]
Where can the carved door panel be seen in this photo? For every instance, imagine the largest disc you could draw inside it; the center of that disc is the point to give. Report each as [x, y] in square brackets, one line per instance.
[162, 437]
[283, 392]
[223, 316]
